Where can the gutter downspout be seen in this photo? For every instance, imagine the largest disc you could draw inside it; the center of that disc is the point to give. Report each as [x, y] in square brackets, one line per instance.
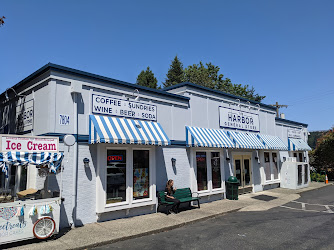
[75, 159]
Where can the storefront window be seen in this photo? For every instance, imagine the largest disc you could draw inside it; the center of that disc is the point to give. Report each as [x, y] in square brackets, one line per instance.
[271, 167]
[116, 176]
[202, 179]
[301, 158]
[216, 173]
[275, 166]
[267, 169]
[23, 178]
[141, 177]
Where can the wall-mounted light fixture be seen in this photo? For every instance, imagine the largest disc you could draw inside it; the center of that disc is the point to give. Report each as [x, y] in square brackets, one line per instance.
[173, 162]
[238, 104]
[86, 162]
[257, 156]
[133, 94]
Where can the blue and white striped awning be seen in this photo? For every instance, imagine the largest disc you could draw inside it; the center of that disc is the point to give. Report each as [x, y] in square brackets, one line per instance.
[205, 137]
[273, 142]
[246, 140]
[298, 145]
[53, 160]
[105, 129]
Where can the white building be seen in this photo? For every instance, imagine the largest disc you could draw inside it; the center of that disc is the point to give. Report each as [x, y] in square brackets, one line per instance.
[132, 139]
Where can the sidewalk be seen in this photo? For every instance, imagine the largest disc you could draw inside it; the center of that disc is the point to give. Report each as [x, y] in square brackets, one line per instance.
[116, 230]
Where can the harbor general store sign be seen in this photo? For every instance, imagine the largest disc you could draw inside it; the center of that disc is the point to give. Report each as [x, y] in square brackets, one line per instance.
[231, 118]
[29, 144]
[117, 107]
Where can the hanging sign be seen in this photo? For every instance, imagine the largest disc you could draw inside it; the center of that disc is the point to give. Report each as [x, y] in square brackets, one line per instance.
[294, 133]
[29, 144]
[25, 116]
[231, 118]
[117, 107]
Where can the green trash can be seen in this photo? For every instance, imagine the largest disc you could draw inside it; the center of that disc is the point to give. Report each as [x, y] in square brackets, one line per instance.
[232, 189]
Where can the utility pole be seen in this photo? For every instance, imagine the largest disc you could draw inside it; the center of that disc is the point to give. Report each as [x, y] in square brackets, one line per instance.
[278, 107]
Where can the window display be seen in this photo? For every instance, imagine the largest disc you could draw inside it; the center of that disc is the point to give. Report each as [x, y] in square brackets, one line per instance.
[267, 168]
[202, 178]
[275, 166]
[141, 176]
[116, 176]
[216, 173]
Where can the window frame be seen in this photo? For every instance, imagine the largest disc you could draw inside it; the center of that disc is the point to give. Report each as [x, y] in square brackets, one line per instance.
[271, 164]
[210, 189]
[101, 178]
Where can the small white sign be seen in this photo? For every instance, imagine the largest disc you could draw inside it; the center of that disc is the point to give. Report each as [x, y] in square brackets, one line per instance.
[64, 120]
[29, 144]
[116, 107]
[294, 133]
[25, 116]
[231, 118]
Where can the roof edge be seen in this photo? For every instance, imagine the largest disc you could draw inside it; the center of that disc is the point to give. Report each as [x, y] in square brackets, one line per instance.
[64, 69]
[179, 85]
[291, 122]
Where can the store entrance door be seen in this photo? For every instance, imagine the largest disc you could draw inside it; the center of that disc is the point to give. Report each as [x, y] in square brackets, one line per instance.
[243, 172]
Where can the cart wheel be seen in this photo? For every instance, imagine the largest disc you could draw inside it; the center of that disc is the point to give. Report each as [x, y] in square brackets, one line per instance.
[44, 228]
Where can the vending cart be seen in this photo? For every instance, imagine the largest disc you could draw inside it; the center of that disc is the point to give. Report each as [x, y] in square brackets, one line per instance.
[29, 205]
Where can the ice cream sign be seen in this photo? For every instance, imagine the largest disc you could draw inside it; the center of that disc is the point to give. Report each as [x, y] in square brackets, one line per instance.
[29, 144]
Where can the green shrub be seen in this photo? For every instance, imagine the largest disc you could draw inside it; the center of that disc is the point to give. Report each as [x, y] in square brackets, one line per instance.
[322, 178]
[313, 176]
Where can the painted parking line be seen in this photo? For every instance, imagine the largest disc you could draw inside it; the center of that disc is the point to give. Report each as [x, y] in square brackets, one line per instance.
[312, 204]
[303, 207]
[293, 208]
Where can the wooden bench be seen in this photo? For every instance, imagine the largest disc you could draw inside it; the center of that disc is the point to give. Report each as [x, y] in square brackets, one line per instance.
[182, 194]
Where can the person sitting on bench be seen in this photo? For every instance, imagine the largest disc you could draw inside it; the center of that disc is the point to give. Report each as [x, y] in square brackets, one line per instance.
[170, 190]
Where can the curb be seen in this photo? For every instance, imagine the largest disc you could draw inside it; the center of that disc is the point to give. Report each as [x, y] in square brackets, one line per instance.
[160, 230]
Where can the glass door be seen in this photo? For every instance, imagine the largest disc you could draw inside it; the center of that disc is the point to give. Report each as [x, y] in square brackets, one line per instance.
[243, 172]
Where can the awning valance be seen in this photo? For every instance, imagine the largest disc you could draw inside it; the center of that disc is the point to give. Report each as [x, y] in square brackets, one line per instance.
[246, 140]
[105, 129]
[205, 137]
[53, 160]
[273, 142]
[298, 145]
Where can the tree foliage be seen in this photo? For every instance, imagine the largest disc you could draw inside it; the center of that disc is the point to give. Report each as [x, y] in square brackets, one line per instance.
[2, 22]
[313, 137]
[322, 157]
[175, 73]
[205, 75]
[208, 76]
[146, 78]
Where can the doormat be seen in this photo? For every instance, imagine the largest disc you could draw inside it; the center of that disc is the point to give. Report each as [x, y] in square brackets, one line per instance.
[263, 197]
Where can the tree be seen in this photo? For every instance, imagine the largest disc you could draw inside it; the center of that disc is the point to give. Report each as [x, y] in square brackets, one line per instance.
[146, 78]
[175, 73]
[322, 156]
[2, 22]
[208, 76]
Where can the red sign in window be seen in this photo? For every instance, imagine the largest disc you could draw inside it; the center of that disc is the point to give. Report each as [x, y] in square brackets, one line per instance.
[115, 157]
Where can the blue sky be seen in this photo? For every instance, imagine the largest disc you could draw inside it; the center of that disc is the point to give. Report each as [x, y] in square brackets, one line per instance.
[285, 49]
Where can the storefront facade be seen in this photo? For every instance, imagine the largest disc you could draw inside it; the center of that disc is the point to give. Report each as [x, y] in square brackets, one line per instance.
[132, 139]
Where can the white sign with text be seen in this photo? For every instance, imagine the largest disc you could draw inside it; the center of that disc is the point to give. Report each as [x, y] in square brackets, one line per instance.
[25, 116]
[231, 118]
[116, 107]
[29, 144]
[294, 133]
